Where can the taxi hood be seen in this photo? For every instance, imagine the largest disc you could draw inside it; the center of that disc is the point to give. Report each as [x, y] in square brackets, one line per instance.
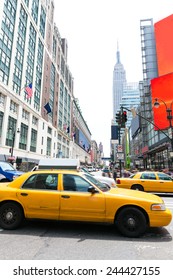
[133, 194]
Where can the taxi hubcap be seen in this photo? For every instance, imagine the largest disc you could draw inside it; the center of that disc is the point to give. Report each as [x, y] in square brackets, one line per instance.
[9, 216]
[131, 222]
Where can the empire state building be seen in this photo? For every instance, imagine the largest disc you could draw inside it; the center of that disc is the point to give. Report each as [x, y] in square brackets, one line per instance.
[119, 80]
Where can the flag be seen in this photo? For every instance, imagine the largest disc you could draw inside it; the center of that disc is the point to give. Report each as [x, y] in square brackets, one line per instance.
[28, 90]
[47, 107]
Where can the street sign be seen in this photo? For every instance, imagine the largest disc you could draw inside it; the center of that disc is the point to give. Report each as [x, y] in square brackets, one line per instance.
[114, 141]
[120, 156]
[119, 148]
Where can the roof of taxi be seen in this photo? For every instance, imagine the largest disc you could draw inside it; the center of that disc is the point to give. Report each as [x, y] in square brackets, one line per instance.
[55, 170]
[59, 163]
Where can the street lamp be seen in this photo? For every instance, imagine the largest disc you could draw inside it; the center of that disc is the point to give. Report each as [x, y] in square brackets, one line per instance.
[13, 140]
[169, 115]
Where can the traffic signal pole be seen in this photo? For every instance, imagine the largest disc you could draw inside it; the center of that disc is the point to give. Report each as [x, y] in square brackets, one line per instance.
[119, 142]
[121, 119]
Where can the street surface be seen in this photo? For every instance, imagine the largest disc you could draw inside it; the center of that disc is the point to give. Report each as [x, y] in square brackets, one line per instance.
[40, 240]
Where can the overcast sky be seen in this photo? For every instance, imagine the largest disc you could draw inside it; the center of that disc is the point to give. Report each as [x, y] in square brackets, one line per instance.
[92, 29]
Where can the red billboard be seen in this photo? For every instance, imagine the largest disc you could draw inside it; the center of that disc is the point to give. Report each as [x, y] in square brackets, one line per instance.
[162, 91]
[164, 45]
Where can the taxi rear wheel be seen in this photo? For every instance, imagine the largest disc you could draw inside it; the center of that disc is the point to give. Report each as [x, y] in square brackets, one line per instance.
[137, 187]
[11, 216]
[131, 222]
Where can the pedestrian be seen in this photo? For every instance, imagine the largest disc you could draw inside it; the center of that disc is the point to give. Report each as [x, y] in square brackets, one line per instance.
[115, 174]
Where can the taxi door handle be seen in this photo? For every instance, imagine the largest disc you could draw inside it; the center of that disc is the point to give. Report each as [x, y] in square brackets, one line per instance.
[65, 196]
[24, 194]
[161, 182]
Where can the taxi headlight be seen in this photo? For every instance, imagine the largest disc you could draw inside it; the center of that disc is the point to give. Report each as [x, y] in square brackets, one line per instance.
[158, 207]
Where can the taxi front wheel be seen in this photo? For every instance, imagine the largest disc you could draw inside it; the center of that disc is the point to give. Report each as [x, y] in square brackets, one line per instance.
[131, 222]
[11, 216]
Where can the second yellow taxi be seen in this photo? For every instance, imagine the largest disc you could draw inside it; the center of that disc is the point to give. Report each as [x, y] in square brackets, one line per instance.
[148, 181]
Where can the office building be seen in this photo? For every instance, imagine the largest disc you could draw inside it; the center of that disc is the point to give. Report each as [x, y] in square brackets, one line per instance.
[119, 80]
[36, 84]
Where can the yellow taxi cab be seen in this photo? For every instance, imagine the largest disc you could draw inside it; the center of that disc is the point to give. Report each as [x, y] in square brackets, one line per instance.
[69, 195]
[148, 181]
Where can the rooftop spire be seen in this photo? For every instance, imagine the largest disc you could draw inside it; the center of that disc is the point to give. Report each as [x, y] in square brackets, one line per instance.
[118, 53]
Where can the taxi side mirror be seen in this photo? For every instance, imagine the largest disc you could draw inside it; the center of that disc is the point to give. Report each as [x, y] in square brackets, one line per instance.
[92, 189]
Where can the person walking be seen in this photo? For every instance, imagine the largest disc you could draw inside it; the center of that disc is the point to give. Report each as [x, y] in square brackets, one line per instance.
[115, 174]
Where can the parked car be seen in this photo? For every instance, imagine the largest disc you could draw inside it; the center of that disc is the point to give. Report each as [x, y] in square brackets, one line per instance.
[105, 180]
[68, 195]
[148, 181]
[8, 171]
[2, 178]
[109, 182]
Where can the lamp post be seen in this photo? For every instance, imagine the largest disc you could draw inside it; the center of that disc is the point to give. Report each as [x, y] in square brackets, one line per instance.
[169, 116]
[13, 140]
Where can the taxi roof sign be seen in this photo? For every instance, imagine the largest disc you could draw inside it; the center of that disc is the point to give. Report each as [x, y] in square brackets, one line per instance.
[59, 163]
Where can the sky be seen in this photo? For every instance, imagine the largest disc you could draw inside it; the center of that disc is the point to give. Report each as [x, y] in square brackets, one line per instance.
[92, 29]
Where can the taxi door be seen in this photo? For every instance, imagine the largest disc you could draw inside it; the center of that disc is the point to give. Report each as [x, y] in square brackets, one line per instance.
[77, 204]
[149, 182]
[165, 182]
[40, 197]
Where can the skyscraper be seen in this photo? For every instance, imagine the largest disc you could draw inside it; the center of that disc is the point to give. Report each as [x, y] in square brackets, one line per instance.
[119, 80]
[130, 99]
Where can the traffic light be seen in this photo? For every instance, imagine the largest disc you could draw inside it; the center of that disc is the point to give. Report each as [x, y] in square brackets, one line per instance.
[124, 117]
[118, 118]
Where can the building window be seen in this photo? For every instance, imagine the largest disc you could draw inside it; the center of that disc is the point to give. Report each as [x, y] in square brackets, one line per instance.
[10, 130]
[42, 21]
[25, 114]
[33, 140]
[23, 137]
[2, 99]
[49, 130]
[48, 151]
[13, 106]
[34, 120]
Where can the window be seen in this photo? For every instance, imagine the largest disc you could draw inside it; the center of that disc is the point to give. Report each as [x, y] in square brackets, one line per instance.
[33, 140]
[23, 136]
[13, 106]
[48, 148]
[164, 177]
[34, 120]
[75, 183]
[2, 99]
[41, 182]
[10, 130]
[148, 176]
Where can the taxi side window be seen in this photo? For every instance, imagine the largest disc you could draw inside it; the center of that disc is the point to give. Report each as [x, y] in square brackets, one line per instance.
[164, 177]
[149, 176]
[75, 183]
[41, 182]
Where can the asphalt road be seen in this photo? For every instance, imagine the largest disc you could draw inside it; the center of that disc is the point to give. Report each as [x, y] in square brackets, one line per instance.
[40, 240]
